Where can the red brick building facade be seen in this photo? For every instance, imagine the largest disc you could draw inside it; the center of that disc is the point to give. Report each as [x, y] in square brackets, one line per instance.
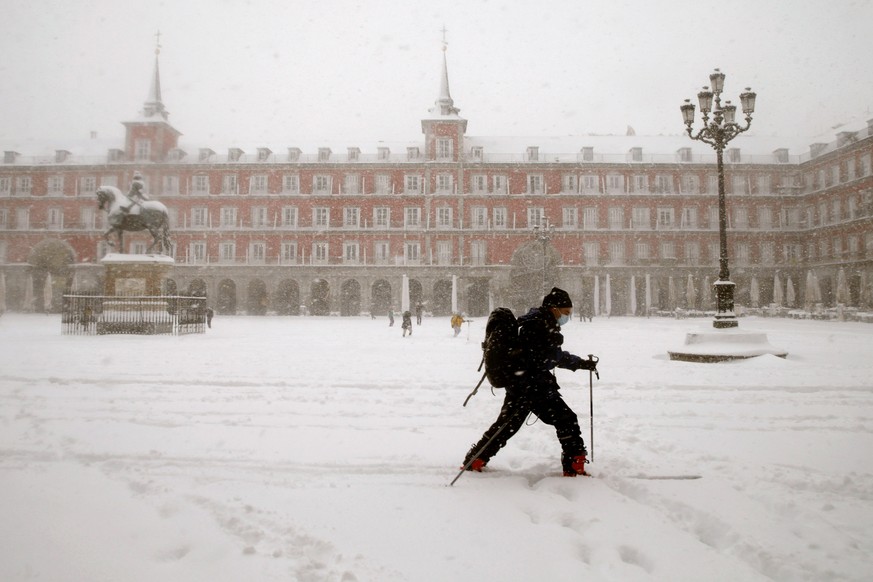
[333, 228]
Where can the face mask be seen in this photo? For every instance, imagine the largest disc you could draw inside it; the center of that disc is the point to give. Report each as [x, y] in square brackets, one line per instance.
[564, 319]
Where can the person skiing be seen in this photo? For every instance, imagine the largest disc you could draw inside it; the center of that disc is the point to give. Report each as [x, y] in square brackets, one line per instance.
[136, 193]
[536, 389]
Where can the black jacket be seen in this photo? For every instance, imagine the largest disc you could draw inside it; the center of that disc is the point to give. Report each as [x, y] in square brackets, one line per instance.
[541, 339]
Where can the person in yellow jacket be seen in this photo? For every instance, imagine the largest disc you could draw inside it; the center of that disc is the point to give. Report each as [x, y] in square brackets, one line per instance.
[457, 320]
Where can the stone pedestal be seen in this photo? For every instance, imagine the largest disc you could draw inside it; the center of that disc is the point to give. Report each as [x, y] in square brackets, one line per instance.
[720, 345]
[139, 275]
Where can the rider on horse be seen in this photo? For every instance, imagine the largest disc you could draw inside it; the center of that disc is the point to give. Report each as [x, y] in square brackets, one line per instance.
[136, 193]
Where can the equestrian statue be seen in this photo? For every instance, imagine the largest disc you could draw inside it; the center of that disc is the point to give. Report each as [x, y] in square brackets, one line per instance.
[135, 212]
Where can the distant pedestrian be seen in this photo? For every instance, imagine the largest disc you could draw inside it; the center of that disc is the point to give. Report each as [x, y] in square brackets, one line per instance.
[419, 311]
[457, 320]
[407, 323]
[209, 314]
[390, 317]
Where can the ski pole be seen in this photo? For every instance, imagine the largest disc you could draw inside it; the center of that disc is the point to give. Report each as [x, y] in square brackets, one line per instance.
[591, 373]
[476, 456]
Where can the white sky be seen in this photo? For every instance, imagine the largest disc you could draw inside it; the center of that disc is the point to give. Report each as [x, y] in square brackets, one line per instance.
[368, 70]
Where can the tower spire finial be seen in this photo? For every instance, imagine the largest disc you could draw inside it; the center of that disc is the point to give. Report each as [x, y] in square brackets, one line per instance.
[158, 42]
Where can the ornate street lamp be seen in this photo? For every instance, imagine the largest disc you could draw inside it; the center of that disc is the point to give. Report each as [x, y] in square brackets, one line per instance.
[717, 131]
[543, 232]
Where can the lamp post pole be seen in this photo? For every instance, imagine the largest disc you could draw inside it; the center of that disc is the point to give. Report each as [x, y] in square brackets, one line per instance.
[717, 132]
[543, 232]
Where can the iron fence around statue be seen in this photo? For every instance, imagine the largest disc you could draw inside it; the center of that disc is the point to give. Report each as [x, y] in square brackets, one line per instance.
[89, 314]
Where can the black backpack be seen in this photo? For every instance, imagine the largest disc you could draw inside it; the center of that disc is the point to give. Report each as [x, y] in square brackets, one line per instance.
[501, 351]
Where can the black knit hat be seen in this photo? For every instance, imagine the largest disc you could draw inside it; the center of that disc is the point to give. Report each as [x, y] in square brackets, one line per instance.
[557, 298]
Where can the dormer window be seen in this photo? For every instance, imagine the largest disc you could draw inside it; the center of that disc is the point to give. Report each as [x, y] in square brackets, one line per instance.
[477, 153]
[264, 154]
[294, 154]
[205, 154]
[588, 154]
[684, 154]
[176, 155]
[234, 154]
[324, 154]
[115, 155]
[9, 157]
[733, 155]
[533, 154]
[412, 153]
[781, 155]
[444, 149]
[61, 156]
[636, 154]
[354, 154]
[383, 153]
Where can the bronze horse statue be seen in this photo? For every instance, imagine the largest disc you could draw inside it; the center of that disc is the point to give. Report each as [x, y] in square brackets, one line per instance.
[149, 215]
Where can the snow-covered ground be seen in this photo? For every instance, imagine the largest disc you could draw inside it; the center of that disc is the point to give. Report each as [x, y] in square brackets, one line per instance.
[310, 449]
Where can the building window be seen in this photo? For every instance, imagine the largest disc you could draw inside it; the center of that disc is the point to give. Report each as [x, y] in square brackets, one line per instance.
[768, 253]
[479, 183]
[288, 253]
[257, 253]
[383, 184]
[616, 251]
[170, 185]
[444, 183]
[712, 184]
[351, 217]
[444, 252]
[320, 254]
[499, 217]
[534, 183]
[227, 252]
[6, 186]
[478, 253]
[690, 184]
[692, 252]
[199, 217]
[444, 149]
[765, 218]
[743, 253]
[589, 184]
[477, 153]
[381, 217]
[259, 216]
[668, 249]
[321, 184]
[641, 184]
[22, 218]
[738, 185]
[616, 218]
[614, 183]
[197, 252]
[570, 217]
[641, 218]
[534, 217]
[229, 184]
[142, 149]
[352, 184]
[500, 185]
[641, 249]
[291, 184]
[381, 250]
[412, 253]
[289, 216]
[444, 217]
[228, 217]
[666, 217]
[479, 216]
[55, 219]
[689, 217]
[589, 218]
[321, 217]
[200, 185]
[592, 252]
[258, 184]
[412, 184]
[569, 183]
[763, 183]
[588, 154]
[55, 185]
[664, 184]
[383, 153]
[351, 253]
[23, 186]
[87, 217]
[741, 217]
[324, 154]
[412, 218]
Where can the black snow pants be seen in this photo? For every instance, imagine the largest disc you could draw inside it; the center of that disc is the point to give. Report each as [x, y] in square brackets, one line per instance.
[544, 400]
